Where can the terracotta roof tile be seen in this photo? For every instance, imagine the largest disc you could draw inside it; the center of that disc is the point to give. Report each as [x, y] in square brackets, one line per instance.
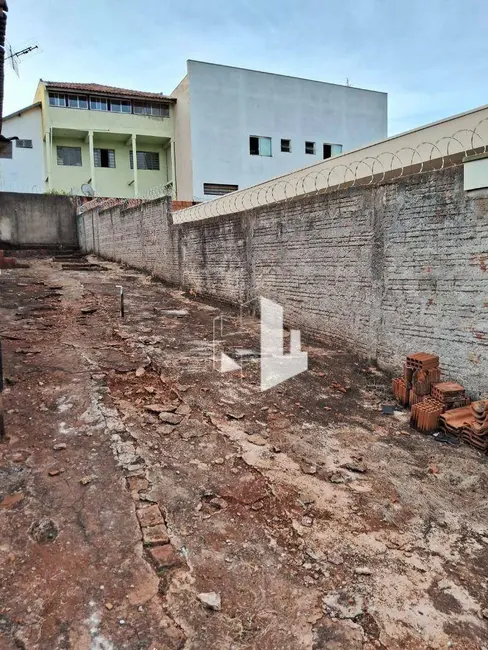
[105, 90]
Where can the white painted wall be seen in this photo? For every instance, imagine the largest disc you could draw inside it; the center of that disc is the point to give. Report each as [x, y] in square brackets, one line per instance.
[476, 173]
[230, 104]
[182, 140]
[25, 171]
[432, 145]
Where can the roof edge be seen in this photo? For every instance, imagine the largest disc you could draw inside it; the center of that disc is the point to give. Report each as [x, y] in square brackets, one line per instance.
[290, 76]
[125, 93]
[22, 110]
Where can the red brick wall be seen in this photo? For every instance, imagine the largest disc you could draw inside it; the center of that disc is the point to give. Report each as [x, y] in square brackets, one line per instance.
[180, 205]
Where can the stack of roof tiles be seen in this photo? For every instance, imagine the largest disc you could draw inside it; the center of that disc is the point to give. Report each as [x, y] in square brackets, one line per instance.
[476, 433]
[468, 423]
[422, 389]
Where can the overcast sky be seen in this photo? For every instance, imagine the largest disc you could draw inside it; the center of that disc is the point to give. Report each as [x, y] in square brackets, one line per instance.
[431, 56]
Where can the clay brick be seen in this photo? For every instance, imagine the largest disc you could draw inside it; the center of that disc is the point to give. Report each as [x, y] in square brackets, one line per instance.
[137, 483]
[413, 398]
[452, 395]
[421, 383]
[181, 205]
[164, 557]
[155, 535]
[424, 416]
[422, 361]
[407, 375]
[150, 516]
[400, 390]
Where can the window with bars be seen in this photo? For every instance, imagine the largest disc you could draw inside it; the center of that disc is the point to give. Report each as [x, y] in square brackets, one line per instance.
[145, 160]
[151, 108]
[56, 99]
[69, 156]
[156, 109]
[104, 158]
[285, 145]
[98, 104]
[23, 144]
[77, 101]
[120, 106]
[310, 147]
[219, 189]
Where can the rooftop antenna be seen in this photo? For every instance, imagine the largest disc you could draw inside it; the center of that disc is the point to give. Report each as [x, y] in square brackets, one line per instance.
[14, 57]
[88, 190]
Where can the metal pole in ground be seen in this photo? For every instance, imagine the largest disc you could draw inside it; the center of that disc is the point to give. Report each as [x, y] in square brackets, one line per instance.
[2, 423]
[122, 306]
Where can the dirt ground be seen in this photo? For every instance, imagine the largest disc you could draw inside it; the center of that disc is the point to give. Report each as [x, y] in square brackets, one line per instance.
[136, 477]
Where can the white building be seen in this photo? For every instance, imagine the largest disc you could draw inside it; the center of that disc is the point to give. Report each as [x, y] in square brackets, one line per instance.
[228, 128]
[22, 161]
[235, 127]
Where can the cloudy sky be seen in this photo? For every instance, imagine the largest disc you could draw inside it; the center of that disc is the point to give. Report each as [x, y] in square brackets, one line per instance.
[431, 56]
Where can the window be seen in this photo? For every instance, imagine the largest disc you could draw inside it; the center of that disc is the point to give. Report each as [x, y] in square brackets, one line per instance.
[145, 160]
[259, 146]
[327, 151]
[98, 104]
[77, 101]
[219, 189]
[332, 150]
[55, 99]
[24, 144]
[151, 108]
[120, 106]
[6, 149]
[286, 146]
[69, 156]
[310, 147]
[104, 158]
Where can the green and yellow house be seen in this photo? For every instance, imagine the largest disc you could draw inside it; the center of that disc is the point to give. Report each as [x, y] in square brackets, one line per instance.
[222, 129]
[90, 133]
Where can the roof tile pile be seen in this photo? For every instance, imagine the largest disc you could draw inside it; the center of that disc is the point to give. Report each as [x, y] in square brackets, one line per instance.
[469, 424]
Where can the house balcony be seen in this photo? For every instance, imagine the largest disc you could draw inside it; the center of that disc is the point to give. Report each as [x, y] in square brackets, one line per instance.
[103, 159]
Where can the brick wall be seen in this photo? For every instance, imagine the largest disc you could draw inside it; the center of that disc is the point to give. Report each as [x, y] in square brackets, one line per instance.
[37, 220]
[387, 269]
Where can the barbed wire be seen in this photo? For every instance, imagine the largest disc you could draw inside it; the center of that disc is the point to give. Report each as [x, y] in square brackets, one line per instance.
[100, 203]
[326, 176]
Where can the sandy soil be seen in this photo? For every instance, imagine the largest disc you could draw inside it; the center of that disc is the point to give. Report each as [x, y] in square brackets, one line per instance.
[319, 522]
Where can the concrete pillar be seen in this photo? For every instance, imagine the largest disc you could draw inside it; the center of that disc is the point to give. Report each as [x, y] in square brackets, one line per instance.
[173, 169]
[92, 160]
[134, 164]
[49, 161]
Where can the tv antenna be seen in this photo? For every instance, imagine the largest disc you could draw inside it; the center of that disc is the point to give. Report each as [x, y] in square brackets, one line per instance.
[88, 190]
[15, 56]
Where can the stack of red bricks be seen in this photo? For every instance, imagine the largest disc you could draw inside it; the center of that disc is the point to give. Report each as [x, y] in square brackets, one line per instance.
[422, 389]
[6, 262]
